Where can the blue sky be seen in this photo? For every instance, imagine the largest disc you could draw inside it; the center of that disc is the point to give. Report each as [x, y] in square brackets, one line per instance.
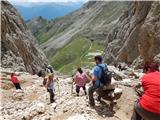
[46, 8]
[23, 1]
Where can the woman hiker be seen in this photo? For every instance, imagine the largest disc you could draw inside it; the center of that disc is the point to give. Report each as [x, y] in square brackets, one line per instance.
[148, 106]
[80, 81]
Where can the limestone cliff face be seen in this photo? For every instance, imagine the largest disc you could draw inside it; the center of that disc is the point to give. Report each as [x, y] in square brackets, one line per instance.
[19, 48]
[137, 34]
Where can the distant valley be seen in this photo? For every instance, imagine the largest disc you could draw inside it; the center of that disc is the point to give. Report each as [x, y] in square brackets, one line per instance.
[91, 22]
[48, 10]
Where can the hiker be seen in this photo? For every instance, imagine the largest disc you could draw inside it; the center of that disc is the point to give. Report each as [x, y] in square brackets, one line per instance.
[50, 87]
[15, 81]
[80, 81]
[120, 67]
[148, 106]
[96, 75]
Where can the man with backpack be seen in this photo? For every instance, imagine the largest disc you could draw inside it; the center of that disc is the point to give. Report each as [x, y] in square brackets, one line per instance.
[99, 79]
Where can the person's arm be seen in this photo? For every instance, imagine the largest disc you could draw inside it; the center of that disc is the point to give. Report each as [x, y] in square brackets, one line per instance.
[139, 87]
[94, 78]
[74, 78]
[94, 74]
[17, 79]
[89, 77]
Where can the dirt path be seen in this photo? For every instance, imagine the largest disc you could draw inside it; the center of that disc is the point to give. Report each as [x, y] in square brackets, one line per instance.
[90, 47]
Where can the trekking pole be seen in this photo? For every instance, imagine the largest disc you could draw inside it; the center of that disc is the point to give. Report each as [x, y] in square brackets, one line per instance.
[72, 85]
[58, 86]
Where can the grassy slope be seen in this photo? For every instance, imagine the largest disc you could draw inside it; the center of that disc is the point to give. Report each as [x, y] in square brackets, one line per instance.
[74, 54]
[50, 29]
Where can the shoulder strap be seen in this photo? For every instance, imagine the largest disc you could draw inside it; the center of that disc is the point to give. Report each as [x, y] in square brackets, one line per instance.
[106, 67]
[102, 70]
[100, 67]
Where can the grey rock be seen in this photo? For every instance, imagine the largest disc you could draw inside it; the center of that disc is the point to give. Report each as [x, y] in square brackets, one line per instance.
[136, 34]
[20, 50]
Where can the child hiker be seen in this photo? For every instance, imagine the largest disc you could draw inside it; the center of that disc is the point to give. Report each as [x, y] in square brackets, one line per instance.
[15, 81]
[50, 87]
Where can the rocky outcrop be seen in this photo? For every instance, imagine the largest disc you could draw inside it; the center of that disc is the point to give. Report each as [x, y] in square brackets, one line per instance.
[19, 48]
[36, 23]
[136, 35]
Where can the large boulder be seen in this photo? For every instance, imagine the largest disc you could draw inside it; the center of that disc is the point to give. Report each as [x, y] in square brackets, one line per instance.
[20, 50]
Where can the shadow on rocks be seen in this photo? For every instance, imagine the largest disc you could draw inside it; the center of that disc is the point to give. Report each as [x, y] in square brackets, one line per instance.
[105, 110]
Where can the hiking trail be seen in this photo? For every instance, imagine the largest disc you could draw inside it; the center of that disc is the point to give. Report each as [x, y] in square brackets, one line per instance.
[33, 103]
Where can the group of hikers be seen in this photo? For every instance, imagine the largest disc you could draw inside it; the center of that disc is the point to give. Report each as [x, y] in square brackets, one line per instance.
[147, 107]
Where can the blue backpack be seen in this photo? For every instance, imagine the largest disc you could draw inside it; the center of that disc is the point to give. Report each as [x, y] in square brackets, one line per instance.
[106, 75]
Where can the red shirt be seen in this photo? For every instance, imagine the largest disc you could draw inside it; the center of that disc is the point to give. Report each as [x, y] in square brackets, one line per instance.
[14, 79]
[150, 100]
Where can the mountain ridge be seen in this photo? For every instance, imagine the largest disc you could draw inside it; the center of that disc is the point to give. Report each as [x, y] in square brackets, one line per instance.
[48, 10]
[20, 51]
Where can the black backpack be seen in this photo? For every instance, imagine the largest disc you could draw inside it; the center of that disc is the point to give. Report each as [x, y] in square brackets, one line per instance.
[50, 69]
[106, 75]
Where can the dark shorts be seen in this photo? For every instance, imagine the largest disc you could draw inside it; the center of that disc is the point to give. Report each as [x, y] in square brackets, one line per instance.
[17, 85]
[139, 113]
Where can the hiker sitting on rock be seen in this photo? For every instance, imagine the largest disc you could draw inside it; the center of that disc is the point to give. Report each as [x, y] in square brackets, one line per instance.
[80, 81]
[50, 87]
[96, 75]
[148, 106]
[15, 81]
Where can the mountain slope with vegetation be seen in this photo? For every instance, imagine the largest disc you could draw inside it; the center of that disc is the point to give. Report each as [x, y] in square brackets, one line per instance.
[102, 14]
[92, 23]
[75, 54]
